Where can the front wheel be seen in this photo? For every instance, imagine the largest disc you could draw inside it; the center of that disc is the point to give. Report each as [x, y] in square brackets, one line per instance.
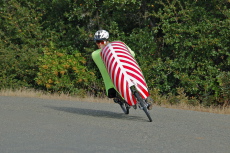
[141, 101]
[145, 109]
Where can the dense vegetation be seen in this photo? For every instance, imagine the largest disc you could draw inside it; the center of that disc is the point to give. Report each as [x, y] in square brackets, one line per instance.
[182, 46]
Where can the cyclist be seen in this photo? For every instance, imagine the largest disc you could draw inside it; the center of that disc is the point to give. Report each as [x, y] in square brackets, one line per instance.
[101, 38]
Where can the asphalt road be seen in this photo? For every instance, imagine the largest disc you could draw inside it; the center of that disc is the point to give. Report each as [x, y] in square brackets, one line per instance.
[32, 125]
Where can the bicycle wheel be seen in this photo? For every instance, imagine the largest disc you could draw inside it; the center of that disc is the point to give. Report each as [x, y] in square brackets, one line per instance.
[142, 103]
[124, 107]
[145, 109]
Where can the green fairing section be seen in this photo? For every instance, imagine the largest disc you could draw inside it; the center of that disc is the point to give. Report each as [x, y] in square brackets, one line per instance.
[100, 64]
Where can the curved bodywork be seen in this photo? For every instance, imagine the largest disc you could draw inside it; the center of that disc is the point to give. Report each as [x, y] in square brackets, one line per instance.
[124, 71]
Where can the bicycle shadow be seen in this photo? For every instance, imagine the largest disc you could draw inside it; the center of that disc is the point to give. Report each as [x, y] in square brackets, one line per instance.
[97, 113]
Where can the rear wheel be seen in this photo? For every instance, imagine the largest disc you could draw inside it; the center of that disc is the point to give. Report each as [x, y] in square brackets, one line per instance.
[125, 107]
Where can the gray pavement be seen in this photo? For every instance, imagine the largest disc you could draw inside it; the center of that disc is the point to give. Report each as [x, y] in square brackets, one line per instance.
[33, 125]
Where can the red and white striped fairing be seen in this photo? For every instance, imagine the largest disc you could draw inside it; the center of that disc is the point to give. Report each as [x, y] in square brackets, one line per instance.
[124, 71]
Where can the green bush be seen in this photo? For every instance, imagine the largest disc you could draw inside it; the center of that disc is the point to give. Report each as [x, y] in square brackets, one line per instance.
[18, 67]
[63, 72]
[181, 45]
[21, 38]
[224, 84]
[195, 48]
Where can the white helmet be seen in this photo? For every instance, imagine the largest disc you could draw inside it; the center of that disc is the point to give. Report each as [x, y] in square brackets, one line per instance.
[101, 35]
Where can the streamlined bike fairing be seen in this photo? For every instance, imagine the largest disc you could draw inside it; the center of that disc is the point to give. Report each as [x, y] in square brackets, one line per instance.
[124, 71]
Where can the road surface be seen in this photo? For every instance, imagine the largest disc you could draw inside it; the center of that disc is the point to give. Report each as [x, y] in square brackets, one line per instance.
[33, 125]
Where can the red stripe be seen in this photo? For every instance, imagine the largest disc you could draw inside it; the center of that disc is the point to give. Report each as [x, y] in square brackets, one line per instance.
[146, 93]
[127, 93]
[110, 56]
[135, 71]
[120, 48]
[130, 57]
[132, 64]
[123, 52]
[112, 74]
[117, 75]
[137, 78]
[122, 82]
[111, 63]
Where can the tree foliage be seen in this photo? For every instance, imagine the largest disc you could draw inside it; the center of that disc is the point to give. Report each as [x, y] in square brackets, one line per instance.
[179, 44]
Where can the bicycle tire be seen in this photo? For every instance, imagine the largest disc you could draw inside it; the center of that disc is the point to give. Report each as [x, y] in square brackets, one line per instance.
[142, 103]
[124, 107]
[145, 109]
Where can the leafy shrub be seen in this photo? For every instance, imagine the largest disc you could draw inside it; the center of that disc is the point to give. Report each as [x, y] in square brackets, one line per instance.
[18, 68]
[224, 83]
[62, 72]
[195, 48]
[21, 38]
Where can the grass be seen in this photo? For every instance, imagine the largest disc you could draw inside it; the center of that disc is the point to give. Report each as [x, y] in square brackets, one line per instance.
[39, 94]
[162, 101]
[200, 108]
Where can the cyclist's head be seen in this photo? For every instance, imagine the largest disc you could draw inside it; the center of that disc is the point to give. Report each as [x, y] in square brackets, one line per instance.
[101, 38]
[101, 35]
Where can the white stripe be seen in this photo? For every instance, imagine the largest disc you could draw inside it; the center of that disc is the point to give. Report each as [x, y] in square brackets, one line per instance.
[119, 64]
